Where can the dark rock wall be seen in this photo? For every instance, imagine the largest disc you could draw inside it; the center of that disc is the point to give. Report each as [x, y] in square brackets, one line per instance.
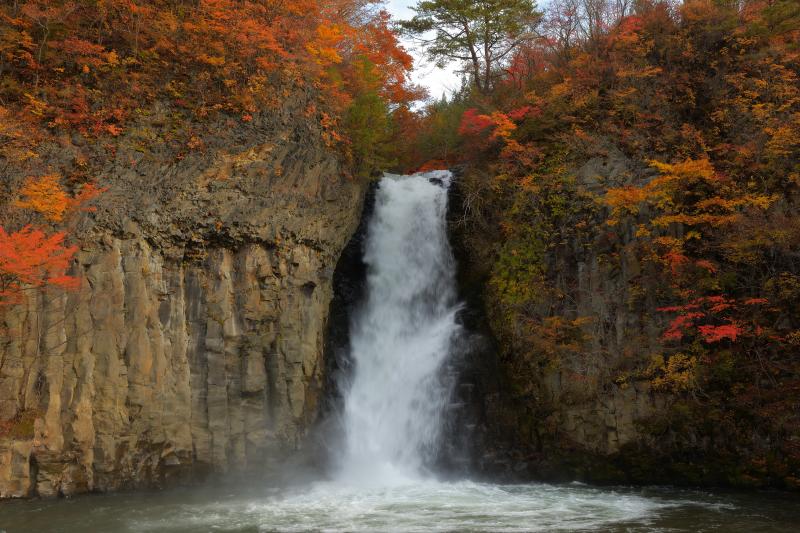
[570, 416]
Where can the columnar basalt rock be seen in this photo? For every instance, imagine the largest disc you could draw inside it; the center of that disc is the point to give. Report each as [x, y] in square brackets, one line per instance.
[569, 414]
[195, 340]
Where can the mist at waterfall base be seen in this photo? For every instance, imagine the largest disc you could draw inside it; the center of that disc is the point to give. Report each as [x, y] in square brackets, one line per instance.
[395, 396]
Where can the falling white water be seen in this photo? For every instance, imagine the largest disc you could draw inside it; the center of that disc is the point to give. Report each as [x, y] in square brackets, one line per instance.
[401, 335]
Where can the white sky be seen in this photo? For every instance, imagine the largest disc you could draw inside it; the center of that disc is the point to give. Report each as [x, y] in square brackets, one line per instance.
[436, 80]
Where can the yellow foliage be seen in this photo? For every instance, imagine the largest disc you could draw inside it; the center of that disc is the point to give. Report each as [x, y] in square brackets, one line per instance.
[665, 193]
[45, 196]
[561, 89]
[694, 220]
[784, 140]
[214, 61]
[624, 201]
[675, 372]
[35, 106]
[691, 169]
[17, 140]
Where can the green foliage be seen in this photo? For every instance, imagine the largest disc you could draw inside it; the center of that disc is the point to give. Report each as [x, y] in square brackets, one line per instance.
[518, 277]
[440, 138]
[482, 33]
[368, 127]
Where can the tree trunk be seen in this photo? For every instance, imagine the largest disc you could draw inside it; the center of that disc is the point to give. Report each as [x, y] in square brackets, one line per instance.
[476, 65]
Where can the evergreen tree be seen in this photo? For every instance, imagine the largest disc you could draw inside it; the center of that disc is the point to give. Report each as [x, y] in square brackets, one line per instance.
[483, 34]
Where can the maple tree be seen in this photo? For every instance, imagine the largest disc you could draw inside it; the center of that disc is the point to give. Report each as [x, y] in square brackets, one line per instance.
[96, 70]
[44, 195]
[31, 259]
[695, 104]
[34, 257]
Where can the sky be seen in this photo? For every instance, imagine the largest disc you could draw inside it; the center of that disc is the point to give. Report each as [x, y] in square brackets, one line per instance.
[436, 80]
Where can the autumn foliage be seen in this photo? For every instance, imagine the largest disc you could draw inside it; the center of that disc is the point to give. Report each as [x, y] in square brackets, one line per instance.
[97, 67]
[44, 195]
[31, 259]
[95, 73]
[35, 257]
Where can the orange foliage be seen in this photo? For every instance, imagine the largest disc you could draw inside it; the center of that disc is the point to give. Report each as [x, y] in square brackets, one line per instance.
[87, 193]
[689, 193]
[92, 67]
[324, 46]
[45, 196]
[433, 164]
[624, 201]
[31, 259]
[95, 68]
[707, 95]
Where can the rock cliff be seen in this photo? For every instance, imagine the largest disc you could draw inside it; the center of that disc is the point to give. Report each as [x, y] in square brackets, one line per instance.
[579, 383]
[194, 343]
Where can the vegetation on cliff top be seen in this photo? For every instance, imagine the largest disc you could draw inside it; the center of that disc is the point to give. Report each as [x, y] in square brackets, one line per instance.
[92, 72]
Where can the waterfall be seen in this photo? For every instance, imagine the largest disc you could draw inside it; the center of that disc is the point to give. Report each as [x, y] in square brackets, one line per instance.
[401, 334]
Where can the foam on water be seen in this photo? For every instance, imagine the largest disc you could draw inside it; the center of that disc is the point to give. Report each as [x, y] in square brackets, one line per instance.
[419, 506]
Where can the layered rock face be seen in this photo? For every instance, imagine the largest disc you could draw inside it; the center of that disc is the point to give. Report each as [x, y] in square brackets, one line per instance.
[573, 403]
[195, 340]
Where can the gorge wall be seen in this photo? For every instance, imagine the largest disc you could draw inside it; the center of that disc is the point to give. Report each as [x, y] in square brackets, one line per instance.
[577, 381]
[194, 342]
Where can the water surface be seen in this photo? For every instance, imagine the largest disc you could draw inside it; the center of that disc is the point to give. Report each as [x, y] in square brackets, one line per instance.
[421, 506]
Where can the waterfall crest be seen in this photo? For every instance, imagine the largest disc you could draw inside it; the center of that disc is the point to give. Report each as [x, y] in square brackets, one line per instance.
[402, 333]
